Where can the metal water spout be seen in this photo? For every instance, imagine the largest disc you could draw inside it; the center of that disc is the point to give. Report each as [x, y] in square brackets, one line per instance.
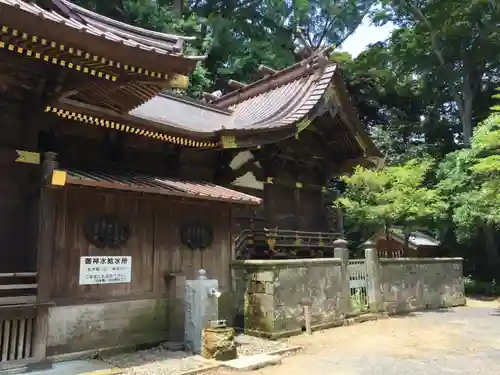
[212, 292]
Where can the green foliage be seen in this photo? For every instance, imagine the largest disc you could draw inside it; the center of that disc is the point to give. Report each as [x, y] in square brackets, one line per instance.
[158, 16]
[471, 180]
[481, 288]
[395, 195]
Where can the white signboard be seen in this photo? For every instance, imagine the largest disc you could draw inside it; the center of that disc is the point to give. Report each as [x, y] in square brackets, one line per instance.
[105, 270]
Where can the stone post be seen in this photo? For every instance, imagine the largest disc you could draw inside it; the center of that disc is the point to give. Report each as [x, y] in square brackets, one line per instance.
[201, 307]
[341, 252]
[374, 287]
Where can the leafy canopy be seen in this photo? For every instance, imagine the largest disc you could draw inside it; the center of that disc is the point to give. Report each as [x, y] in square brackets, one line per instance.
[394, 195]
[471, 180]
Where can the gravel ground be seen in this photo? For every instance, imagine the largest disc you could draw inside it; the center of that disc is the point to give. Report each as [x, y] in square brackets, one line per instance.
[461, 341]
[160, 361]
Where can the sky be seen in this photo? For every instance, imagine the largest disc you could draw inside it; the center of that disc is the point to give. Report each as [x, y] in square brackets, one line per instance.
[364, 35]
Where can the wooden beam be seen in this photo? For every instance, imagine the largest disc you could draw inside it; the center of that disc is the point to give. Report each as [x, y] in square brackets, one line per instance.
[209, 97]
[236, 84]
[267, 71]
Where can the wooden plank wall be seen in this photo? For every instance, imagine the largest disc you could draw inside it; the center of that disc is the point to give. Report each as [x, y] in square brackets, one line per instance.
[19, 193]
[154, 245]
[296, 209]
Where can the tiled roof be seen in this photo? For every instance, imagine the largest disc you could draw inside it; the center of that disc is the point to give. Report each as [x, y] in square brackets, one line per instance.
[283, 105]
[273, 102]
[185, 114]
[157, 185]
[73, 16]
[127, 34]
[415, 239]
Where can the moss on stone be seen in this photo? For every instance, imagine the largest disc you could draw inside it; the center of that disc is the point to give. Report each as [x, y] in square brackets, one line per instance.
[255, 318]
[227, 307]
[150, 325]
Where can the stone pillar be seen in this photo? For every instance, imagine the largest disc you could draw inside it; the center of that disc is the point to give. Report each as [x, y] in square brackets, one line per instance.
[201, 307]
[342, 252]
[374, 287]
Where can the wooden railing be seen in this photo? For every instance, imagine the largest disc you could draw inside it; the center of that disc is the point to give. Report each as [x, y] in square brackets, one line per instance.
[18, 288]
[16, 335]
[283, 244]
[23, 321]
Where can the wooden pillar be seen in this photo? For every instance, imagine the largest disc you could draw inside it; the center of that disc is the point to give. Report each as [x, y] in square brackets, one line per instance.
[296, 207]
[339, 219]
[268, 204]
[46, 243]
[46, 228]
[40, 336]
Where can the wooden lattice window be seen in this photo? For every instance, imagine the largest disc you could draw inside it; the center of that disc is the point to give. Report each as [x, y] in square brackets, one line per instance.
[197, 234]
[106, 231]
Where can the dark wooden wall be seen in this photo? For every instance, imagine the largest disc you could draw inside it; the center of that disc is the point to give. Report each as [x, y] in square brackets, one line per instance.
[19, 196]
[291, 208]
[154, 245]
[86, 146]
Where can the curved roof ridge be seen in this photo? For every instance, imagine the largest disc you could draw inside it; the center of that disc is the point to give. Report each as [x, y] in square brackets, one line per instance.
[301, 69]
[298, 103]
[123, 25]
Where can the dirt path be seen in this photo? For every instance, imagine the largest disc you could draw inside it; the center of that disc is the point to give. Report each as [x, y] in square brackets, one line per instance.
[457, 341]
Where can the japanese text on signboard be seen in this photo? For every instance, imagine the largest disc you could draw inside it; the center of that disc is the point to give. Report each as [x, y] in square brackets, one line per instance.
[105, 270]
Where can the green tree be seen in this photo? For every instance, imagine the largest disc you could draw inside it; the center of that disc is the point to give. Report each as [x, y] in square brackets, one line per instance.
[395, 195]
[159, 16]
[470, 179]
[247, 33]
[454, 47]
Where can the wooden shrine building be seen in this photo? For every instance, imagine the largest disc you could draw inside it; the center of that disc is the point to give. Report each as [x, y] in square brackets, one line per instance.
[283, 138]
[101, 220]
[394, 244]
[113, 192]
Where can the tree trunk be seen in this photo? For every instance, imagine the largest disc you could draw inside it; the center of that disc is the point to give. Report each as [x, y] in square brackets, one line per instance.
[178, 6]
[492, 250]
[464, 100]
[465, 103]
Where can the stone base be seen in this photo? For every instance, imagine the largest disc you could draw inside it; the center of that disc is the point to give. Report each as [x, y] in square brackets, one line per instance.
[219, 344]
[253, 362]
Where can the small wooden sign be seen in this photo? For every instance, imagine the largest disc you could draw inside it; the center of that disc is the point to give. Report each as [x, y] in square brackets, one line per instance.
[228, 141]
[178, 81]
[27, 157]
[58, 178]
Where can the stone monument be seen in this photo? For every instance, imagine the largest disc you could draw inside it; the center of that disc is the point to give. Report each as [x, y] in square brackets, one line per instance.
[201, 304]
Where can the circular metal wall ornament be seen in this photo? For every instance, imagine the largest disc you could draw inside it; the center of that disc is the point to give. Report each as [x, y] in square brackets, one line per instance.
[197, 235]
[106, 231]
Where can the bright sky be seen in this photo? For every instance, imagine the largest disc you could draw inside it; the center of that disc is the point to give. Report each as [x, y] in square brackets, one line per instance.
[364, 35]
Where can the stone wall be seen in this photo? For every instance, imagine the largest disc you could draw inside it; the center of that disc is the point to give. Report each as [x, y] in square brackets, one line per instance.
[269, 294]
[107, 325]
[409, 284]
